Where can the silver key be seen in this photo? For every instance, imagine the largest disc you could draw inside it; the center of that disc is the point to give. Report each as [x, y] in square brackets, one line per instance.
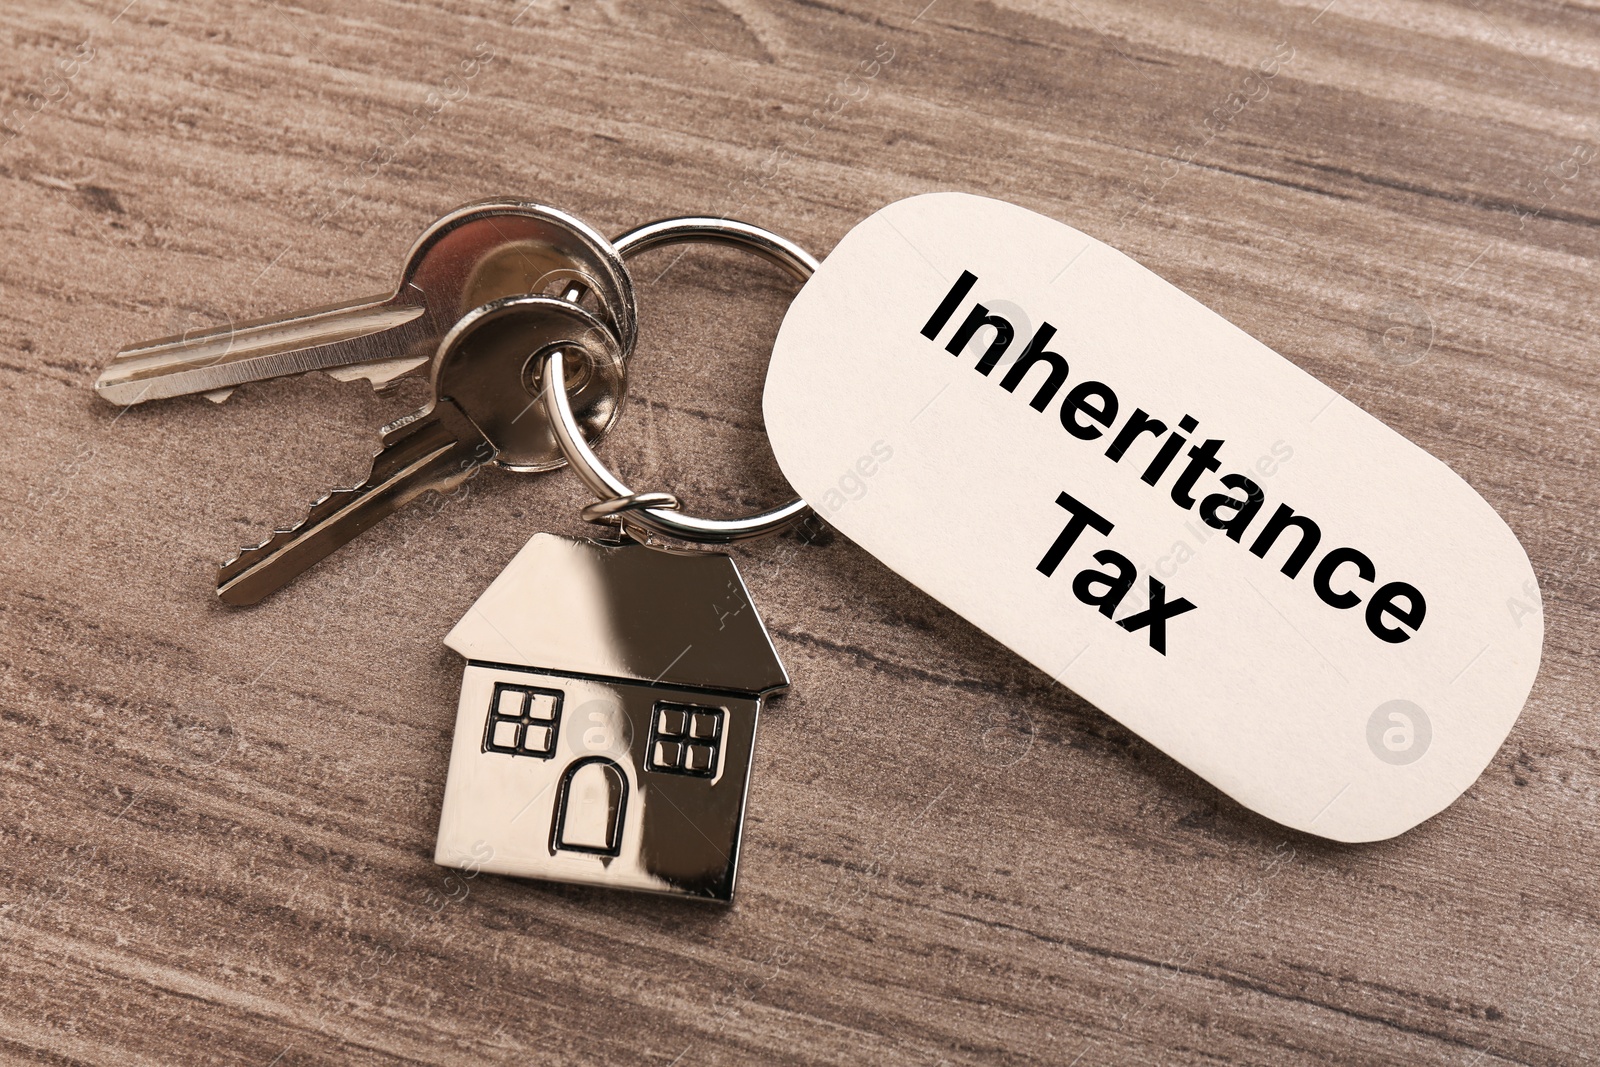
[486, 409]
[475, 254]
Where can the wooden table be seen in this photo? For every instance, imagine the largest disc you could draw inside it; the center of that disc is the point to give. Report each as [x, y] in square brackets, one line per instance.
[218, 824]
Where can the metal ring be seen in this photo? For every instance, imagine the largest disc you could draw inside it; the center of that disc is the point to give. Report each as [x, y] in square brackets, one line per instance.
[799, 263]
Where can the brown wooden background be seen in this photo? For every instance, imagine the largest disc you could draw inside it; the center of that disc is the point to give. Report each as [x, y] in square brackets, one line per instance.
[216, 825]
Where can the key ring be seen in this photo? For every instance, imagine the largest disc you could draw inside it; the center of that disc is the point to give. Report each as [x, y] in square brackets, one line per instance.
[617, 501]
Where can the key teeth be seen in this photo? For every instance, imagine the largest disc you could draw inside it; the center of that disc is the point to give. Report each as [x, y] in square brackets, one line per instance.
[401, 468]
[281, 533]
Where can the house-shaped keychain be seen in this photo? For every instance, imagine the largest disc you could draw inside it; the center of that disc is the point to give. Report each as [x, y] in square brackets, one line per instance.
[607, 719]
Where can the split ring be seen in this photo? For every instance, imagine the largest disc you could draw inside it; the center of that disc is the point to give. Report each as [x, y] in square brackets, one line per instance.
[608, 511]
[611, 490]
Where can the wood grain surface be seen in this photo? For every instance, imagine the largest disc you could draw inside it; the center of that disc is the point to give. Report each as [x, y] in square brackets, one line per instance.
[216, 825]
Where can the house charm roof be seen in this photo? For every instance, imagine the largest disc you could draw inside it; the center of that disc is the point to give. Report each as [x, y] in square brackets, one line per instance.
[623, 612]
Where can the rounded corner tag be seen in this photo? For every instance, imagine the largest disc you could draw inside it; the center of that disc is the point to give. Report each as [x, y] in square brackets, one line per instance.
[1158, 511]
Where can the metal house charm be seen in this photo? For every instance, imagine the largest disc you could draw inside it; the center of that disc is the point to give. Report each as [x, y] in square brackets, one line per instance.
[607, 719]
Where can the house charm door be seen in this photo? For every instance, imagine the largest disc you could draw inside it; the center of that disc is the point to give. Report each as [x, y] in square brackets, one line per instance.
[607, 719]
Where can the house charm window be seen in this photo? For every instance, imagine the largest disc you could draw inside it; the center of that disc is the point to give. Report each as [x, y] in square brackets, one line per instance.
[523, 720]
[685, 739]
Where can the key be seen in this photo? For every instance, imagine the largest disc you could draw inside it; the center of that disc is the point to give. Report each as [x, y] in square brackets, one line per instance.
[486, 408]
[475, 254]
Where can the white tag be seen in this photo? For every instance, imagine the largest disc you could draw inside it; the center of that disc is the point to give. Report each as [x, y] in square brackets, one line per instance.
[1351, 699]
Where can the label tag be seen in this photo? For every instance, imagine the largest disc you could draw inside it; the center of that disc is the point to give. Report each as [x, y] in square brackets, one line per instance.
[1158, 511]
